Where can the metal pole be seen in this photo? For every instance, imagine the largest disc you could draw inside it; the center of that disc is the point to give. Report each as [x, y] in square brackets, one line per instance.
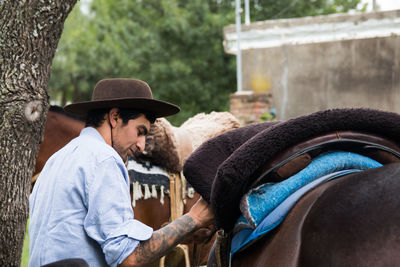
[238, 54]
[246, 12]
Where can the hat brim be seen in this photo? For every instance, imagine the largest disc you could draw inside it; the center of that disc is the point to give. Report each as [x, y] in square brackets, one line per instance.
[156, 107]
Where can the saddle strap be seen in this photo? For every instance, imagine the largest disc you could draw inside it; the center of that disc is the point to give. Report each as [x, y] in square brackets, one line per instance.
[176, 198]
[222, 248]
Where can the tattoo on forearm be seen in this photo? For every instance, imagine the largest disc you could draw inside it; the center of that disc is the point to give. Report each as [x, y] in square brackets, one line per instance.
[164, 239]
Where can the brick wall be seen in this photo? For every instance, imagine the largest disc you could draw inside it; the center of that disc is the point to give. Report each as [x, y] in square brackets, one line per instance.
[249, 107]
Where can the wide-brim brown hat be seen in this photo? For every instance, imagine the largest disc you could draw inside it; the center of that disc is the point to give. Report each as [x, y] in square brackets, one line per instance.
[123, 93]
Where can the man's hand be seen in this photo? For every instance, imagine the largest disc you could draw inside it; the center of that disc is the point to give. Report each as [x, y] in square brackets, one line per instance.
[204, 235]
[201, 213]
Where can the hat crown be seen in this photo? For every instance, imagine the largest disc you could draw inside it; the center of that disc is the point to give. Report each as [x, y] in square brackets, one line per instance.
[117, 88]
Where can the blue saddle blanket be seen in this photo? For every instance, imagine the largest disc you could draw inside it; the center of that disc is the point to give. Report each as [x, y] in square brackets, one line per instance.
[265, 207]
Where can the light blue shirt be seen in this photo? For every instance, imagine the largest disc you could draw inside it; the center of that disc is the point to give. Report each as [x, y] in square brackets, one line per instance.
[80, 206]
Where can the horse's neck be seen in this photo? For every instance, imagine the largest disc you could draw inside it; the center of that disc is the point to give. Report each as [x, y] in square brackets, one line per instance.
[70, 127]
[59, 130]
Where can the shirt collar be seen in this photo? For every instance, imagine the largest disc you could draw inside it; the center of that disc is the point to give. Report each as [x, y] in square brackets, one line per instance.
[90, 131]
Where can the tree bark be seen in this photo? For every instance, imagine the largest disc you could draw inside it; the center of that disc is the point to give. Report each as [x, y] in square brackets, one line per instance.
[29, 34]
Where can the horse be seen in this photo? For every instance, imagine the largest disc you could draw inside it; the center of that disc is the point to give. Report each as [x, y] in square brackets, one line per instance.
[60, 128]
[317, 190]
[166, 146]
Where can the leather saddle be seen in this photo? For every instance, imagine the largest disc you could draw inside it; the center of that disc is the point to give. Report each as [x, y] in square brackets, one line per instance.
[226, 167]
[298, 156]
[282, 149]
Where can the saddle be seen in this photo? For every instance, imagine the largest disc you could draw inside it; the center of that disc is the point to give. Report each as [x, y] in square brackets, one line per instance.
[318, 131]
[274, 151]
[280, 150]
[292, 161]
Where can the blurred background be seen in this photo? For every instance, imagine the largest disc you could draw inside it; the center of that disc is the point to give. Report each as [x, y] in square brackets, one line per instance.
[180, 48]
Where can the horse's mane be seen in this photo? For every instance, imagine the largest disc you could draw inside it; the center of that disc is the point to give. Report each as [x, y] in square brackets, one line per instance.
[60, 110]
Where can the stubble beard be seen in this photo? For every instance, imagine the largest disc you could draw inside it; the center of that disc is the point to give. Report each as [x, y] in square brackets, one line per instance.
[121, 152]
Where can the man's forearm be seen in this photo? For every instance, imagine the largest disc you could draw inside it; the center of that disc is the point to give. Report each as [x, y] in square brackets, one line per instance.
[161, 241]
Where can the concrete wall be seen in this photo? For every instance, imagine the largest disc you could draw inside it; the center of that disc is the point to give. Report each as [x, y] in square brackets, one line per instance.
[312, 64]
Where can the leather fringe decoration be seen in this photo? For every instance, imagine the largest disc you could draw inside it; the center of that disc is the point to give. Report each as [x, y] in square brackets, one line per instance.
[162, 195]
[138, 192]
[147, 193]
[153, 191]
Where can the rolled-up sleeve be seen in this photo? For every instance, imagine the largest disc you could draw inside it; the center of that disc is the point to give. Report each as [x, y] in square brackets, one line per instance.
[109, 219]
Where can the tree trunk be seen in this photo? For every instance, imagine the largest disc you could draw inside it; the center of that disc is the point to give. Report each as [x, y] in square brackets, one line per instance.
[29, 34]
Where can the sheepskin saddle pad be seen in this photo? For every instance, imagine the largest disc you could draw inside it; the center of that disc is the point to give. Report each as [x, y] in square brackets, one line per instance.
[169, 147]
[226, 167]
[161, 147]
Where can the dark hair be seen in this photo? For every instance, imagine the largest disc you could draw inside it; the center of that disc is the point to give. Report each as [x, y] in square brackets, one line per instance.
[95, 117]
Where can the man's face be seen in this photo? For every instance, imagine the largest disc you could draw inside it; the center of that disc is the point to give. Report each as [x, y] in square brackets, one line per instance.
[130, 137]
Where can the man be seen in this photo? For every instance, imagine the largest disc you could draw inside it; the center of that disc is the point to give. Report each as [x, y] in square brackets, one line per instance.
[80, 205]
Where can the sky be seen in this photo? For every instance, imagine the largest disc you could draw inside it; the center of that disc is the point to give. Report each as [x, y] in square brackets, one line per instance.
[383, 4]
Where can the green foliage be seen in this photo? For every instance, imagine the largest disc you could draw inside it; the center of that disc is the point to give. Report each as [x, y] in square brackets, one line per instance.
[25, 250]
[70, 69]
[271, 116]
[174, 45]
